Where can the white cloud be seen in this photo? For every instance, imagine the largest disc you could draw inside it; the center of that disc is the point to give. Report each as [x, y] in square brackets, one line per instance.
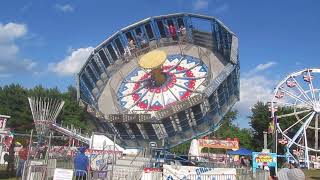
[222, 8]
[200, 4]
[64, 8]
[265, 66]
[8, 51]
[72, 63]
[254, 87]
[262, 67]
[11, 31]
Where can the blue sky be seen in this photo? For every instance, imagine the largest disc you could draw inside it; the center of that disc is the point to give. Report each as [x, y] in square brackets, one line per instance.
[41, 40]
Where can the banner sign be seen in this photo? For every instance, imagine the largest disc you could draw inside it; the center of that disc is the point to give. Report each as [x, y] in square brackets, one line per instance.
[100, 152]
[3, 122]
[63, 174]
[262, 160]
[101, 158]
[222, 144]
[172, 172]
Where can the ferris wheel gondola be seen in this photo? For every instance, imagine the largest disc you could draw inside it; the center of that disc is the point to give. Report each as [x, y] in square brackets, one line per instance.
[299, 95]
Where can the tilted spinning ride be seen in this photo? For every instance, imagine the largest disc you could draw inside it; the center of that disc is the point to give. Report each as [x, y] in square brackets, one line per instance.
[298, 96]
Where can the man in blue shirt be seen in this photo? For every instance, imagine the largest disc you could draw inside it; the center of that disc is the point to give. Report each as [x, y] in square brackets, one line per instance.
[81, 164]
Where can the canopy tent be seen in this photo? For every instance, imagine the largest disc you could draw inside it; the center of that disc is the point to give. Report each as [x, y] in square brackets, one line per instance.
[241, 151]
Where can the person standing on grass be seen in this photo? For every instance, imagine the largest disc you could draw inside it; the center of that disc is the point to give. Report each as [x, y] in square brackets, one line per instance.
[10, 166]
[23, 155]
[81, 164]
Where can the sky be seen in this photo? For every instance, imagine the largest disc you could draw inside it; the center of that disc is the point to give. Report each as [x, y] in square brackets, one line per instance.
[46, 42]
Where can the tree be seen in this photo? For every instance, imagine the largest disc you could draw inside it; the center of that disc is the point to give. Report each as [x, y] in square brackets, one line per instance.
[14, 102]
[229, 130]
[259, 121]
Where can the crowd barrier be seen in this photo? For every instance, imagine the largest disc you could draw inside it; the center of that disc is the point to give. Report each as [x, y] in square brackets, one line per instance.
[43, 172]
[39, 170]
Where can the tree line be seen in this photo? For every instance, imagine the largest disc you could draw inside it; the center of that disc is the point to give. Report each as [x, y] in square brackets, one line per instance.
[14, 103]
[251, 137]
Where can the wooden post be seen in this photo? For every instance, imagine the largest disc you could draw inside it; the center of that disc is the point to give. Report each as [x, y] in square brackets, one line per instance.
[265, 140]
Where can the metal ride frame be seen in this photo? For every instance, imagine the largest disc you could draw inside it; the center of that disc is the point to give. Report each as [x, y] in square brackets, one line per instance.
[44, 112]
[221, 93]
[298, 92]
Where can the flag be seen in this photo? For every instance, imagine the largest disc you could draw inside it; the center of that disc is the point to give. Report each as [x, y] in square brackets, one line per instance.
[272, 125]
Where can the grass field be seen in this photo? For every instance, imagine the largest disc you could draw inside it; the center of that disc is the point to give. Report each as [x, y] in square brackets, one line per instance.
[310, 174]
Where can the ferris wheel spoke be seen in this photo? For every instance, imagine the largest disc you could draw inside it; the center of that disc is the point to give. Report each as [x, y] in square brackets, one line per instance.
[311, 87]
[316, 132]
[297, 122]
[294, 113]
[302, 91]
[294, 96]
[302, 129]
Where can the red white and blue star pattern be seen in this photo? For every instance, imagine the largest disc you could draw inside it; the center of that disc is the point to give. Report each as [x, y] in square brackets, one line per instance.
[185, 77]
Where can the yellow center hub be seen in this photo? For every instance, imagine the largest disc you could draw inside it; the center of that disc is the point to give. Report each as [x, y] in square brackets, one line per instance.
[154, 60]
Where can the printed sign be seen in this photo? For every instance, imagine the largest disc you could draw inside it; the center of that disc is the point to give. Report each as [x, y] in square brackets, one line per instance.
[262, 160]
[172, 172]
[216, 143]
[62, 174]
[100, 159]
[3, 122]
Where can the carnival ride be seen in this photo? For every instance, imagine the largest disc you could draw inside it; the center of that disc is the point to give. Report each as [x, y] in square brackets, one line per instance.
[45, 112]
[298, 95]
[164, 90]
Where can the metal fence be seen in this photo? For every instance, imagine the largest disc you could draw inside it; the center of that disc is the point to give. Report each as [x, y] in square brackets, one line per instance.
[244, 174]
[40, 170]
[45, 172]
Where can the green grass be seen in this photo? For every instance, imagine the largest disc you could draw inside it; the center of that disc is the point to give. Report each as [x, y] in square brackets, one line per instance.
[312, 174]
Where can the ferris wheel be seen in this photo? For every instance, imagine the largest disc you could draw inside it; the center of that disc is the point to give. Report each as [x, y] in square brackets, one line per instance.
[298, 97]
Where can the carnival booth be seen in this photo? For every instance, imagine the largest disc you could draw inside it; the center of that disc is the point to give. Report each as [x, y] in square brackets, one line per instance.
[6, 137]
[198, 144]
